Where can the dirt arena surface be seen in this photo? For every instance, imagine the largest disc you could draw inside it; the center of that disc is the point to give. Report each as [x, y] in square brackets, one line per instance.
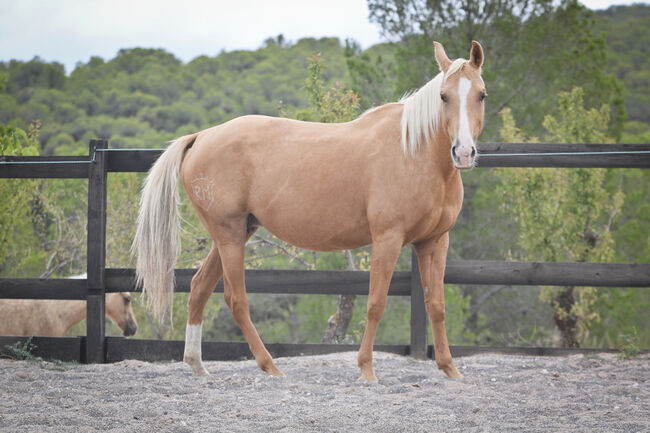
[321, 393]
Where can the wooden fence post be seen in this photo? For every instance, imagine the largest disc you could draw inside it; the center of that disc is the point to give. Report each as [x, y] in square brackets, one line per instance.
[419, 320]
[96, 254]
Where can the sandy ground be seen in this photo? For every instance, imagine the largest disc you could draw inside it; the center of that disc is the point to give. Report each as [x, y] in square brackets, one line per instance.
[322, 393]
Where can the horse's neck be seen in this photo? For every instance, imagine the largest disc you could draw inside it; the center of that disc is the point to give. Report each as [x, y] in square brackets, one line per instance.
[437, 155]
[69, 313]
[433, 157]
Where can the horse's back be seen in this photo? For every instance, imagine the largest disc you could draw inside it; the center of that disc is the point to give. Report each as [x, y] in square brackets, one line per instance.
[25, 317]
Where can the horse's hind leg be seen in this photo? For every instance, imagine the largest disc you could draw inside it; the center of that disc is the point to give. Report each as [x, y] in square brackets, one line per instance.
[231, 249]
[203, 284]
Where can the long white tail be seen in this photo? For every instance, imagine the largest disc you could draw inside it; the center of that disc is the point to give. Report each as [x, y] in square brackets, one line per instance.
[157, 240]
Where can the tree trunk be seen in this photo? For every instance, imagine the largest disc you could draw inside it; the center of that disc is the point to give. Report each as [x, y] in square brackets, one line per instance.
[337, 325]
[565, 320]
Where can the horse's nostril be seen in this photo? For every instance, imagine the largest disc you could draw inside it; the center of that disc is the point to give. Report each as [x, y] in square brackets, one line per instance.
[130, 330]
[453, 151]
[473, 152]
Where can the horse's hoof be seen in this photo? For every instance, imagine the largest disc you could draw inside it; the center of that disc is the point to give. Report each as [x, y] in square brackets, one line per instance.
[368, 382]
[200, 372]
[274, 371]
[197, 367]
[452, 372]
[368, 375]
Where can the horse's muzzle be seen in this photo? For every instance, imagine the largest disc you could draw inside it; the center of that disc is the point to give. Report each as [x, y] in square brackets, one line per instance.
[463, 157]
[130, 329]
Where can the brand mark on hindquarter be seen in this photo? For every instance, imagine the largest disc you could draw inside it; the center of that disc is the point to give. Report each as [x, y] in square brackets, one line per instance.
[202, 188]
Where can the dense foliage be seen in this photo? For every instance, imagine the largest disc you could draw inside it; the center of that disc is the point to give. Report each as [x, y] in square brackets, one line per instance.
[626, 29]
[539, 48]
[576, 209]
[145, 97]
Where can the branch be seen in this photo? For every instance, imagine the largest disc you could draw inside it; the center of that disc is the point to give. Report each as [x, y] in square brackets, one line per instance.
[46, 273]
[512, 95]
[60, 265]
[262, 257]
[617, 206]
[284, 250]
[157, 334]
[477, 306]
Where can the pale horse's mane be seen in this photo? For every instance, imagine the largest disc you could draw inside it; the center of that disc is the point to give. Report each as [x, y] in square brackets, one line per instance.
[422, 108]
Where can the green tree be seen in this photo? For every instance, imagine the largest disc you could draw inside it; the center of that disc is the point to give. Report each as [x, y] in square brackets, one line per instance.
[564, 214]
[15, 198]
[533, 49]
[371, 74]
[624, 28]
[34, 74]
[334, 105]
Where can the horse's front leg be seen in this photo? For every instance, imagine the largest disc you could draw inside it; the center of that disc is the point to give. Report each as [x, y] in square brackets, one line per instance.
[203, 284]
[432, 258]
[385, 251]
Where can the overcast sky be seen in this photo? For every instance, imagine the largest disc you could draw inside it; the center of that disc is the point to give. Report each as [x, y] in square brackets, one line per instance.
[71, 31]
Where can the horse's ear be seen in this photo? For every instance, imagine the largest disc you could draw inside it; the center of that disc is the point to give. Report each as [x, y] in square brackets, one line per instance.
[441, 57]
[476, 55]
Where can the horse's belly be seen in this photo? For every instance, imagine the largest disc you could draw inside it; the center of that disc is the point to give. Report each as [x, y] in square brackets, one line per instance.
[321, 210]
[330, 244]
[316, 231]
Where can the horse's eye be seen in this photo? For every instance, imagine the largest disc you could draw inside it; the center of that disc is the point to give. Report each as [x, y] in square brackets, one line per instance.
[443, 97]
[127, 300]
[482, 97]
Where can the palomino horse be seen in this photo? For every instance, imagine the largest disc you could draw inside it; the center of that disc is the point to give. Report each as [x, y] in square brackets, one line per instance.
[322, 187]
[51, 318]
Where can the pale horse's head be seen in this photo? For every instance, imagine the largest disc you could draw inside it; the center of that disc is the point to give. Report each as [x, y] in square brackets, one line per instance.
[463, 94]
[120, 311]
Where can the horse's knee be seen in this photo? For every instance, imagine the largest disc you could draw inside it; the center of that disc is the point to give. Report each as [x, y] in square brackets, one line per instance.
[436, 311]
[228, 298]
[376, 309]
[239, 307]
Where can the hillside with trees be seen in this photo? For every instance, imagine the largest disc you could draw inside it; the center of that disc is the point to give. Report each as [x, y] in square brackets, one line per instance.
[143, 98]
[626, 33]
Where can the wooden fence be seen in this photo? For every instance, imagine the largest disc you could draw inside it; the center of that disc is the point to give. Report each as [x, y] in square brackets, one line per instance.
[96, 347]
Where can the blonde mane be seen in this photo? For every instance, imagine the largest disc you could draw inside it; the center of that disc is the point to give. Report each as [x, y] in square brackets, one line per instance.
[421, 114]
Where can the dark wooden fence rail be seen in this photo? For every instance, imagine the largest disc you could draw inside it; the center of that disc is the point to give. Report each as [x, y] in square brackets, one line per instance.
[95, 347]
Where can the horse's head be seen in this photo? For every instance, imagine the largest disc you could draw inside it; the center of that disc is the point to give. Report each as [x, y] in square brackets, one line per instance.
[462, 94]
[118, 308]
